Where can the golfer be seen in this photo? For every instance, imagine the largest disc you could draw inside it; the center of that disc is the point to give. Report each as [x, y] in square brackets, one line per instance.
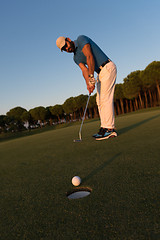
[90, 58]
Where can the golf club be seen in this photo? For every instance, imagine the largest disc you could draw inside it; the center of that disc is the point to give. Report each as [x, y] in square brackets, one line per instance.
[80, 130]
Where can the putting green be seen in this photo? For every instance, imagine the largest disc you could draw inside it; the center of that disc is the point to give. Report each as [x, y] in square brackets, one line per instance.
[123, 173]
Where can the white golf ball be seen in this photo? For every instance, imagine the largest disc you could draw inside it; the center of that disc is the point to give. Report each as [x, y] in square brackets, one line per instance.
[76, 181]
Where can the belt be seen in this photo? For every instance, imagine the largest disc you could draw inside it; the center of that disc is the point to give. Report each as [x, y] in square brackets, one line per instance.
[103, 64]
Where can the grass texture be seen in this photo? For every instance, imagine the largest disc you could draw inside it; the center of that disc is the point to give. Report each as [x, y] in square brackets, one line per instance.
[123, 173]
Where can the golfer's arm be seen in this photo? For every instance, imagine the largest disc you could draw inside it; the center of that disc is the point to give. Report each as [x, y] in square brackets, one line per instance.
[85, 72]
[89, 57]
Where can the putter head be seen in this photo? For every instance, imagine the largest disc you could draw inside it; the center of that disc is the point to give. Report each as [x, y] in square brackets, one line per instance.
[77, 140]
[80, 138]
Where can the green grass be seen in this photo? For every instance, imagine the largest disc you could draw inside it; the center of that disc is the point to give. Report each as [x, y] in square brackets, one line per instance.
[123, 173]
[12, 135]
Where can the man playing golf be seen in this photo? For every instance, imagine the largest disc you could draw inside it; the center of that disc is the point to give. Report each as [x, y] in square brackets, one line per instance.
[90, 58]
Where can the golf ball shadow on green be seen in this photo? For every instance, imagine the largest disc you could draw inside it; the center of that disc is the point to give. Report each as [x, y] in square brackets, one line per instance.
[79, 192]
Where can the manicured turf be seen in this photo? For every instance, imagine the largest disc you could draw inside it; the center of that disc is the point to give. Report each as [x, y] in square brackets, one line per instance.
[123, 173]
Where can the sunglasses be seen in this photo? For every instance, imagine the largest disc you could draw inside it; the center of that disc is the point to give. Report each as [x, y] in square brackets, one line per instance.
[64, 47]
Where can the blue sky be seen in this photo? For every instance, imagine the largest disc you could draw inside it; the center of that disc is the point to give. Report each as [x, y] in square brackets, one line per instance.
[33, 72]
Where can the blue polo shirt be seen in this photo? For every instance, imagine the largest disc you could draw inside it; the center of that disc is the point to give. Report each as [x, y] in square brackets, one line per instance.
[99, 56]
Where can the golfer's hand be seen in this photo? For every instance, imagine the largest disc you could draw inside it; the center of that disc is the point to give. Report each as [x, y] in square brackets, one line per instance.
[92, 80]
[90, 87]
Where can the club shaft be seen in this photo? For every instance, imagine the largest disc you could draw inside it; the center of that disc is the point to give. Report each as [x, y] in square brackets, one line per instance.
[80, 136]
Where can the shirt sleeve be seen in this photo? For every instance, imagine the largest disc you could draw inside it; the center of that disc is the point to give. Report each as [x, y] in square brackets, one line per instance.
[82, 41]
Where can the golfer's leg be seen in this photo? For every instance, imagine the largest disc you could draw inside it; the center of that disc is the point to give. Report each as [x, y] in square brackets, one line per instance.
[98, 97]
[106, 105]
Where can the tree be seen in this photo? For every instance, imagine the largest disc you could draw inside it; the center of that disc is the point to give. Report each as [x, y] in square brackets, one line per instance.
[132, 88]
[16, 113]
[70, 106]
[57, 110]
[151, 77]
[26, 117]
[2, 123]
[80, 103]
[118, 95]
[38, 114]
[49, 115]
[93, 106]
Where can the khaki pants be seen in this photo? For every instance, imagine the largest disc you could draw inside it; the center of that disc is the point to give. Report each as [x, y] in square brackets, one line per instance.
[105, 95]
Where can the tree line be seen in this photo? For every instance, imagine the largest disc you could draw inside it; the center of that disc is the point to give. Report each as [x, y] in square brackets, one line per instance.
[140, 89]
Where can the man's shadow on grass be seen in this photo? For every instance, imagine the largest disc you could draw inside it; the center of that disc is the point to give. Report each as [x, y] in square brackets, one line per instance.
[121, 131]
[101, 167]
[126, 129]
